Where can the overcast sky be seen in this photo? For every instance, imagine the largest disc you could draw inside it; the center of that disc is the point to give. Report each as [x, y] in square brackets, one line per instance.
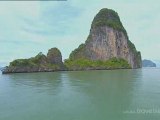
[27, 28]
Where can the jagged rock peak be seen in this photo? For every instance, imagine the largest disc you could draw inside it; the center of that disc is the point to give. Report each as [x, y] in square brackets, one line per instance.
[108, 17]
[107, 39]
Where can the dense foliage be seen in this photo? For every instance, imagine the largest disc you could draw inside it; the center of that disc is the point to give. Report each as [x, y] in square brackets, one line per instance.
[136, 53]
[110, 18]
[78, 53]
[28, 62]
[39, 60]
[132, 46]
[82, 64]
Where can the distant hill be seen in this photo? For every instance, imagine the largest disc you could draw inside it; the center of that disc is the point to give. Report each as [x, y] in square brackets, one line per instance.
[1, 68]
[148, 63]
[157, 62]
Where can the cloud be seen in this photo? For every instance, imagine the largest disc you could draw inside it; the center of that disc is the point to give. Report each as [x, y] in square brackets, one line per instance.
[30, 27]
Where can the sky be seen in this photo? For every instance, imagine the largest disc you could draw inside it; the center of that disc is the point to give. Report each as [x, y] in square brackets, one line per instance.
[30, 27]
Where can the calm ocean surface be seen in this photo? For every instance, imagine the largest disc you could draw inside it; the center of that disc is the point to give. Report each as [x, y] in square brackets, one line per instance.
[82, 95]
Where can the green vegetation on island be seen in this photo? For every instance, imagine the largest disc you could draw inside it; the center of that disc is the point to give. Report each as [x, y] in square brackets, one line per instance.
[108, 17]
[78, 53]
[88, 55]
[107, 47]
[84, 64]
[39, 63]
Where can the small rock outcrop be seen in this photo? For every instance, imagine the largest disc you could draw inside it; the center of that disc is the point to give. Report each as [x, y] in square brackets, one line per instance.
[107, 41]
[39, 63]
[54, 56]
[148, 63]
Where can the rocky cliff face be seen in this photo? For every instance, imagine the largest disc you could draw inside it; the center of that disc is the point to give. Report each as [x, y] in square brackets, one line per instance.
[54, 56]
[108, 39]
[39, 63]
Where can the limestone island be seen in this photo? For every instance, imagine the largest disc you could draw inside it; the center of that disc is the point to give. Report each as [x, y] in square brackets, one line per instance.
[107, 47]
[39, 63]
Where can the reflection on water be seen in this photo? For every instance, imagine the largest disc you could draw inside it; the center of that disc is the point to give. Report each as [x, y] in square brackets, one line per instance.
[79, 95]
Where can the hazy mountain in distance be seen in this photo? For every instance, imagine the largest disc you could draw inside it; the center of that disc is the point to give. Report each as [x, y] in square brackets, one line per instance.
[148, 63]
[157, 62]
